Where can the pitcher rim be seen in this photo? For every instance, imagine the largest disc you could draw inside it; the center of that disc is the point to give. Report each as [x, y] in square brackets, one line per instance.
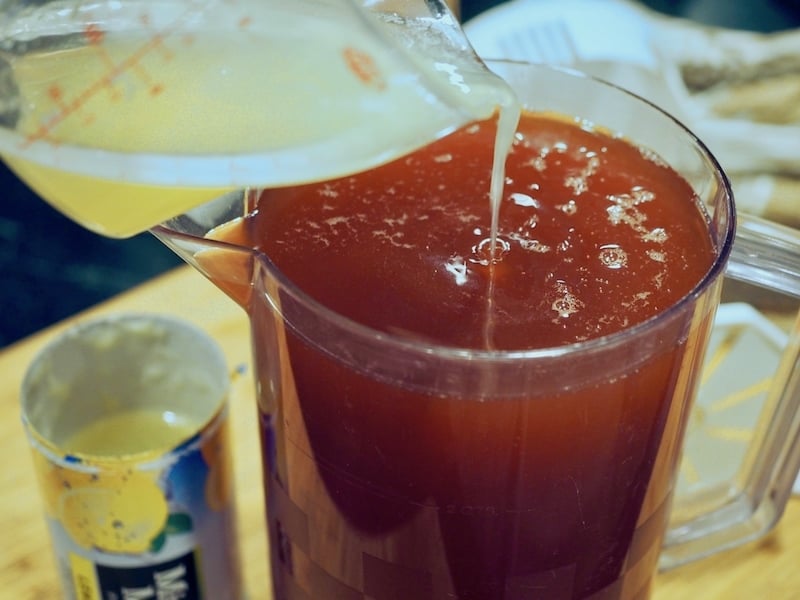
[722, 245]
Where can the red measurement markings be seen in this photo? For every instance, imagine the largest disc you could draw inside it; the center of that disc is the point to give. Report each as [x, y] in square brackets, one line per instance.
[154, 87]
[93, 34]
[56, 94]
[95, 37]
[364, 67]
[103, 84]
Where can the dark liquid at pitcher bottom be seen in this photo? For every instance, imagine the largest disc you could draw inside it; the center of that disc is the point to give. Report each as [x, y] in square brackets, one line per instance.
[378, 489]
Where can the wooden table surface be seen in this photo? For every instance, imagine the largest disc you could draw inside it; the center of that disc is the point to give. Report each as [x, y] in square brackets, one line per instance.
[767, 569]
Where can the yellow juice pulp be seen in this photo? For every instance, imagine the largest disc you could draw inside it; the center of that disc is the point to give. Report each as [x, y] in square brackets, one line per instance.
[130, 432]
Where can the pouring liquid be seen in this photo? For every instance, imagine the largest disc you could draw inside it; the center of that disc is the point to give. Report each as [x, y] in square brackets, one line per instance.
[135, 118]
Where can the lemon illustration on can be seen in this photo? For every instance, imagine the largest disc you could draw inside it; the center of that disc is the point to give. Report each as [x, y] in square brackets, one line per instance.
[120, 512]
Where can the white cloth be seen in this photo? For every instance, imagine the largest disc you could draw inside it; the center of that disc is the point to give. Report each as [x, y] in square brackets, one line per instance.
[737, 91]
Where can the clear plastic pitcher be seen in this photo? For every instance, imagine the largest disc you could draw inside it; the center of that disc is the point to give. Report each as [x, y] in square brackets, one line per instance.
[125, 113]
[358, 422]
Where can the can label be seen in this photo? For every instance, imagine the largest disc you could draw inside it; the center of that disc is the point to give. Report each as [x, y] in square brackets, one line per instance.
[176, 579]
[160, 528]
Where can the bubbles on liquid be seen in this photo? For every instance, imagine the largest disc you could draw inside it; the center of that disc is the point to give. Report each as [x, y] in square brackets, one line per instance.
[539, 162]
[652, 157]
[580, 183]
[457, 267]
[531, 245]
[394, 238]
[624, 209]
[483, 254]
[565, 302]
[467, 218]
[641, 195]
[613, 256]
[616, 214]
[568, 208]
[334, 222]
[396, 221]
[530, 223]
[638, 300]
[443, 158]
[657, 235]
[577, 183]
[657, 256]
[328, 191]
[524, 200]
[472, 129]
[523, 235]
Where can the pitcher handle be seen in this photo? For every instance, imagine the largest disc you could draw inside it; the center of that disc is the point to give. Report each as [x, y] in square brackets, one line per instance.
[766, 255]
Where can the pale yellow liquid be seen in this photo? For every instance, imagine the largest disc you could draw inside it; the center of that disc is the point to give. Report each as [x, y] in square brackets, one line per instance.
[130, 432]
[127, 130]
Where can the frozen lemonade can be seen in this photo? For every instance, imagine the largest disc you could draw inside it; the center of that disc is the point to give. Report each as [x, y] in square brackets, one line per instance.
[127, 419]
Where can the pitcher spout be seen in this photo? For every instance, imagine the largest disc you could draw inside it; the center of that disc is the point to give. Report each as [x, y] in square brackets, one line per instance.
[228, 265]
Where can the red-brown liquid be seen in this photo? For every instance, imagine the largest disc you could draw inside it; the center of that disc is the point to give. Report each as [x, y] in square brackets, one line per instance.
[376, 490]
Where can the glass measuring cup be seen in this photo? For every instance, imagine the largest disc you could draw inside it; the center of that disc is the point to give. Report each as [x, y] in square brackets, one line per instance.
[324, 381]
[123, 114]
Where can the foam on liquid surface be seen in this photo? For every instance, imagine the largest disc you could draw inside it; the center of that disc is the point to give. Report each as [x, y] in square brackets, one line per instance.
[593, 237]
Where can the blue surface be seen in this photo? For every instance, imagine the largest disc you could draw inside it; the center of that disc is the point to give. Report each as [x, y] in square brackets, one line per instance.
[52, 268]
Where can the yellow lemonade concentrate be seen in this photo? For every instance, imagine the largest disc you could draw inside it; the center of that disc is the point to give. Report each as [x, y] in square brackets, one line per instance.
[130, 432]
